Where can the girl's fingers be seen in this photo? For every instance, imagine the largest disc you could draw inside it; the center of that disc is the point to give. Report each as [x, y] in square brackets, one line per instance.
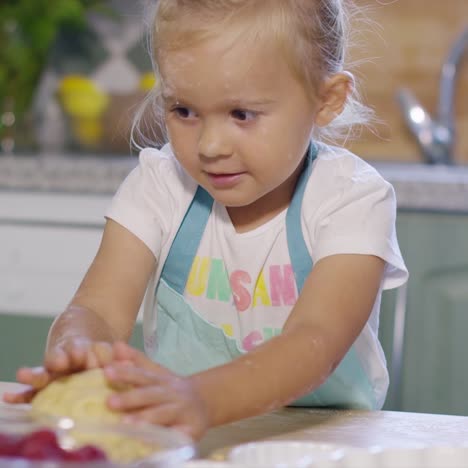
[24, 396]
[98, 354]
[67, 358]
[91, 360]
[103, 352]
[138, 398]
[124, 352]
[164, 415]
[78, 354]
[57, 361]
[36, 377]
[125, 373]
[74, 355]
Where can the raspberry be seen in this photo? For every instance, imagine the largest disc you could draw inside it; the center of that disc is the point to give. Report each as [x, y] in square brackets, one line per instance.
[86, 453]
[9, 445]
[41, 445]
[44, 436]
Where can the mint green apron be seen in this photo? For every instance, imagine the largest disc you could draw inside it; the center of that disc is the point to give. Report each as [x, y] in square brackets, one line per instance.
[186, 343]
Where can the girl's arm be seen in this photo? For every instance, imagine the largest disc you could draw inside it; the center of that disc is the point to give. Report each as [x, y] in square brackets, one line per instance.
[103, 310]
[333, 308]
[107, 301]
[331, 311]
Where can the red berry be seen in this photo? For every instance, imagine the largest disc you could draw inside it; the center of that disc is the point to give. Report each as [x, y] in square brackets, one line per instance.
[40, 445]
[86, 453]
[9, 445]
[44, 436]
[43, 445]
[33, 449]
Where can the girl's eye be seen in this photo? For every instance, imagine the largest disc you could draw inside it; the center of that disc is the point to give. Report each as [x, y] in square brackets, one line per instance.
[243, 115]
[183, 112]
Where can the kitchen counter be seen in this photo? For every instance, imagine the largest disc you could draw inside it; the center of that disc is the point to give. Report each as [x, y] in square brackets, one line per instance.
[364, 429]
[73, 174]
[418, 187]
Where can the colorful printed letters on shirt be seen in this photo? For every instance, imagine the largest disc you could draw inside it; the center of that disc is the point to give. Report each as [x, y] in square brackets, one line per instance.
[209, 279]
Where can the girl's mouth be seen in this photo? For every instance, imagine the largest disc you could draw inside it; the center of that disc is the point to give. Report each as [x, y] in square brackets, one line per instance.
[224, 180]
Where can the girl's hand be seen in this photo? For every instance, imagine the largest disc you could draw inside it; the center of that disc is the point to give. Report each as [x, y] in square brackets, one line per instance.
[158, 397]
[72, 355]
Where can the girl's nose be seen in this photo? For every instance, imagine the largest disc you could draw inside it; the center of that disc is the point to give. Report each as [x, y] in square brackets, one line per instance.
[213, 141]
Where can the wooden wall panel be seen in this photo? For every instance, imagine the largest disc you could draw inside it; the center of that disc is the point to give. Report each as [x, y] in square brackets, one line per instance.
[406, 46]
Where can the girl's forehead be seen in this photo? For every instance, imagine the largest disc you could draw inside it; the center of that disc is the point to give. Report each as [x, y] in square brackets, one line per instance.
[222, 63]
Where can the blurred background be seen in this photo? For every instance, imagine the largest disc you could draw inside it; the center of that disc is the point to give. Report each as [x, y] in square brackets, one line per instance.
[407, 47]
[71, 81]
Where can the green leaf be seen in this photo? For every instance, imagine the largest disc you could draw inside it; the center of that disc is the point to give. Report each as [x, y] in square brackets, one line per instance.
[27, 30]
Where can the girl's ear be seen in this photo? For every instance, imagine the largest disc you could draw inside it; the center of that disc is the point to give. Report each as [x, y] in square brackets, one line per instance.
[333, 95]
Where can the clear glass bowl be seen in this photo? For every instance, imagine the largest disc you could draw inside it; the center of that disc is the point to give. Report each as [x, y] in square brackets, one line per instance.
[135, 445]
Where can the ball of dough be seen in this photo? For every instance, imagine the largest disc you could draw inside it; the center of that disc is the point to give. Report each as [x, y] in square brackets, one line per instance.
[81, 396]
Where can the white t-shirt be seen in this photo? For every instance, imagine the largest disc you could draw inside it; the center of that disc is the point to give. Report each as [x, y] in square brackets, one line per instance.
[243, 282]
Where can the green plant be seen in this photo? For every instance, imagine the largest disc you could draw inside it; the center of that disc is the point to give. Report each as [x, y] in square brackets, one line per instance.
[27, 30]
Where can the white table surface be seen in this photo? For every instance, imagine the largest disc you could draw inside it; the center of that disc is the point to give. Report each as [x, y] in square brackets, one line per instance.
[352, 428]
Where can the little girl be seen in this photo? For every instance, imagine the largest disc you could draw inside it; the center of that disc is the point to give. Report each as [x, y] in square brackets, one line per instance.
[262, 251]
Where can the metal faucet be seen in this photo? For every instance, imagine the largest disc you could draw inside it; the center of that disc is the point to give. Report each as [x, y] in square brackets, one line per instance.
[436, 137]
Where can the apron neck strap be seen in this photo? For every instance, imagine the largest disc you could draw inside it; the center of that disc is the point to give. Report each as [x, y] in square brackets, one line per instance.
[298, 252]
[179, 261]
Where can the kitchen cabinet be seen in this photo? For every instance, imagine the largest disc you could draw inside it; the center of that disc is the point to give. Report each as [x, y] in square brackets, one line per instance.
[434, 375]
[22, 340]
[47, 241]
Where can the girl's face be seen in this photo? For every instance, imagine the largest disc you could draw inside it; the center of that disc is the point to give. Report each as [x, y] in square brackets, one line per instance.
[239, 122]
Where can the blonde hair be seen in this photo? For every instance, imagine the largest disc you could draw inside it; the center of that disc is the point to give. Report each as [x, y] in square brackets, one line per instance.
[313, 36]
